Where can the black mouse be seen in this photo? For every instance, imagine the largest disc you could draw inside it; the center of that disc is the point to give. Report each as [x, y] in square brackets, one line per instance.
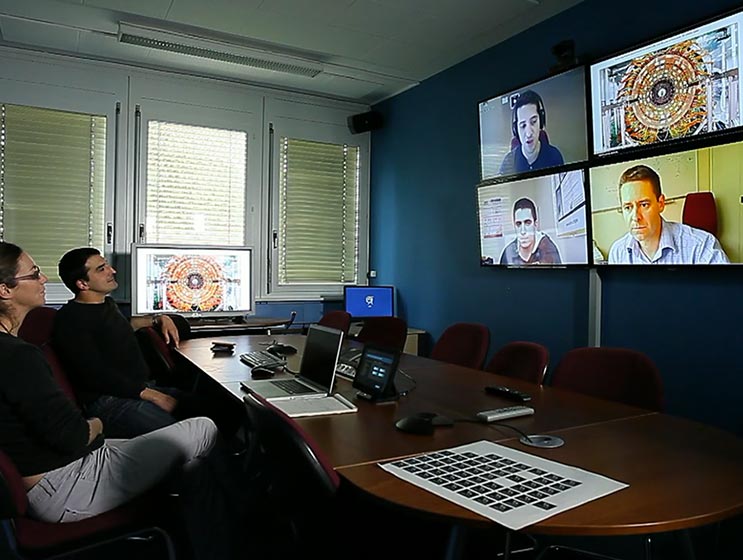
[262, 372]
[279, 349]
[422, 423]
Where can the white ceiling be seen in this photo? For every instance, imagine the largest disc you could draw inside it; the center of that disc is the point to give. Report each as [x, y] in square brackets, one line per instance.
[368, 50]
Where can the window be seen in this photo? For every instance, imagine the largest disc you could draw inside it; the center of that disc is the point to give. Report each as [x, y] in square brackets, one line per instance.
[52, 181]
[195, 185]
[318, 224]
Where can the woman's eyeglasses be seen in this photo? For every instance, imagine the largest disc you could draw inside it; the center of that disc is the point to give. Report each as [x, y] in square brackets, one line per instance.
[35, 275]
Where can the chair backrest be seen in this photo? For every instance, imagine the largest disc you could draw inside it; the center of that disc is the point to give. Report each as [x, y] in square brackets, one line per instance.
[464, 344]
[37, 326]
[303, 484]
[388, 332]
[522, 360]
[700, 211]
[60, 376]
[156, 353]
[340, 320]
[182, 324]
[616, 374]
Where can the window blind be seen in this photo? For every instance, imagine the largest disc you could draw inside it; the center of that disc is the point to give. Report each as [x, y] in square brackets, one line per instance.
[52, 181]
[318, 234]
[195, 185]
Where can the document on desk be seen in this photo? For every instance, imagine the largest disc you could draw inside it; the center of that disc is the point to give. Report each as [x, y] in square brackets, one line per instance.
[318, 406]
[510, 487]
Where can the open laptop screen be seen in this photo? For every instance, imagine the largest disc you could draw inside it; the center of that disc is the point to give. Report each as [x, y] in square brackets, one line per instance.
[320, 355]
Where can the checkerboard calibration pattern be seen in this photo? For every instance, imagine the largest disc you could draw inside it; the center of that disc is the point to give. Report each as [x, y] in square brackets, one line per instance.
[510, 487]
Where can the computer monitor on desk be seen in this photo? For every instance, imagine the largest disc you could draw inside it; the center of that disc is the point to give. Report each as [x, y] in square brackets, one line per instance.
[369, 301]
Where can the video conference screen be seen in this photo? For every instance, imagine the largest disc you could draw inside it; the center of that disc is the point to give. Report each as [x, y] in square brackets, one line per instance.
[534, 222]
[683, 86]
[535, 127]
[192, 281]
[369, 301]
[676, 209]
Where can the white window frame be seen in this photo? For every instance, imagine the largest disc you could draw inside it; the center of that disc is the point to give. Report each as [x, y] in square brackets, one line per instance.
[62, 86]
[310, 120]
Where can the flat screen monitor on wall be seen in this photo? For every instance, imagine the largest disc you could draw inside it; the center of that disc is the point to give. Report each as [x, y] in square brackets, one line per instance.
[675, 209]
[534, 222]
[683, 86]
[535, 127]
[192, 281]
[369, 301]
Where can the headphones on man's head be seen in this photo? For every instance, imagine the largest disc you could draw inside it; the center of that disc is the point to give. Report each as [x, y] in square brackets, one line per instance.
[532, 98]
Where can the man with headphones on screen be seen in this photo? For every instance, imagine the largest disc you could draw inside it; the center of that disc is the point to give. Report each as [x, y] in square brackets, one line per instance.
[533, 150]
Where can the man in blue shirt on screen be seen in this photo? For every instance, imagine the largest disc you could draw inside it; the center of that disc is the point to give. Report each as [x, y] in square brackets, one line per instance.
[651, 239]
[533, 150]
[530, 246]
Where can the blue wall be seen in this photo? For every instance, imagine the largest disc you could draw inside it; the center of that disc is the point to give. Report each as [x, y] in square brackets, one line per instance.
[424, 232]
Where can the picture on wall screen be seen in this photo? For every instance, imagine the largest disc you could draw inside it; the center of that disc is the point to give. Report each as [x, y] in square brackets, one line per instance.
[683, 86]
[536, 127]
[188, 280]
[675, 209]
[534, 222]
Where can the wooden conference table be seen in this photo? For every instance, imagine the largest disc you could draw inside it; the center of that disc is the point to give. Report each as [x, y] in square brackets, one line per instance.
[681, 474]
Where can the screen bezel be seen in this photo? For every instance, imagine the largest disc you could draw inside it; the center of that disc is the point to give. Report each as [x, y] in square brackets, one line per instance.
[677, 144]
[137, 247]
[361, 317]
[530, 85]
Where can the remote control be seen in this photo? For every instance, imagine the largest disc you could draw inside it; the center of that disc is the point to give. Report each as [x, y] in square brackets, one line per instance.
[508, 393]
[503, 413]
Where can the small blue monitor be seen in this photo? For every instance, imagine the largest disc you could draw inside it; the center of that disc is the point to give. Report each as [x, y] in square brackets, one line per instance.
[369, 301]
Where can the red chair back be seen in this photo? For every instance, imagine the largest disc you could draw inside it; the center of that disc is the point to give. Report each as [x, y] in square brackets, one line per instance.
[339, 320]
[388, 332]
[522, 360]
[700, 211]
[615, 374]
[60, 376]
[37, 326]
[464, 344]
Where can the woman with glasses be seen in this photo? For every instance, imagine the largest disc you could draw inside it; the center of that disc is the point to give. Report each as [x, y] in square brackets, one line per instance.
[69, 471]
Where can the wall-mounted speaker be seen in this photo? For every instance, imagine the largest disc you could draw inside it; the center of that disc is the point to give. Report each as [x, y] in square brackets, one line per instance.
[364, 122]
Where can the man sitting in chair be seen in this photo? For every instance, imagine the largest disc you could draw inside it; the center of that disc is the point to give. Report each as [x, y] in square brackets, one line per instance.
[97, 345]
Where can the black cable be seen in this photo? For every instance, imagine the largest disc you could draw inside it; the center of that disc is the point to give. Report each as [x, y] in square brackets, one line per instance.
[501, 424]
[415, 383]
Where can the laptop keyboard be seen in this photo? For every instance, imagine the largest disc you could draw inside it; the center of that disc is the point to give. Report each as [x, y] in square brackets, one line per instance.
[260, 358]
[292, 387]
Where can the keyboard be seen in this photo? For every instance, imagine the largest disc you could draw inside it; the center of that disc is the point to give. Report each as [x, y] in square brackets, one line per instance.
[261, 358]
[293, 387]
[346, 370]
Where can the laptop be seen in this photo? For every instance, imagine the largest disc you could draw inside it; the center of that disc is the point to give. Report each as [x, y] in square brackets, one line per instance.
[316, 373]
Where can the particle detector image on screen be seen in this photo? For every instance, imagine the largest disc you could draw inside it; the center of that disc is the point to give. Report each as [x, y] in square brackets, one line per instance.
[192, 281]
[683, 86]
[534, 222]
[535, 127]
[676, 209]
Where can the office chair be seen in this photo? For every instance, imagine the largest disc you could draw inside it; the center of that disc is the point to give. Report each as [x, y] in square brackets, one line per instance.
[339, 320]
[463, 344]
[700, 211]
[300, 485]
[36, 328]
[39, 539]
[157, 354]
[615, 374]
[521, 360]
[183, 326]
[388, 332]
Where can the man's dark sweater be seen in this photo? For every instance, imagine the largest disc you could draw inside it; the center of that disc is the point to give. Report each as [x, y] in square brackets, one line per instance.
[40, 428]
[99, 350]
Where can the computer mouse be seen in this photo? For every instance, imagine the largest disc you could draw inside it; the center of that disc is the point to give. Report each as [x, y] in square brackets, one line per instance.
[279, 349]
[422, 423]
[260, 372]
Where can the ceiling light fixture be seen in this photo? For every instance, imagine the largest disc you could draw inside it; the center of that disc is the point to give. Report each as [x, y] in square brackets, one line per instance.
[203, 47]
